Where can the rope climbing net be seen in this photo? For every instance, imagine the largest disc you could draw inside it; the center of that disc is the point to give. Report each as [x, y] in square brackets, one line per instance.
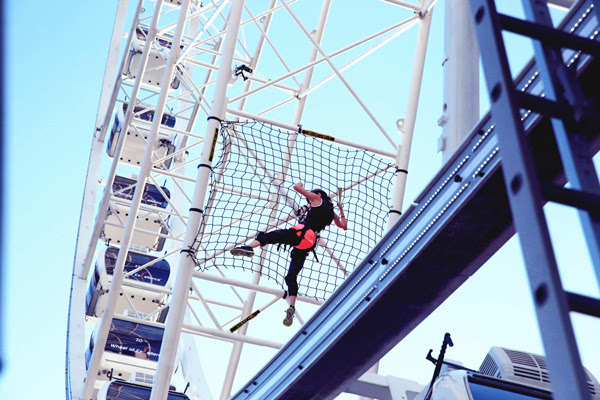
[251, 191]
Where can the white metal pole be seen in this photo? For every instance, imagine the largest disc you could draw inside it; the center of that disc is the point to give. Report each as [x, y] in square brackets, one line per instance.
[363, 55]
[338, 73]
[185, 270]
[259, 49]
[144, 172]
[76, 331]
[100, 134]
[294, 128]
[251, 286]
[404, 4]
[313, 56]
[117, 279]
[461, 77]
[237, 349]
[236, 352]
[228, 336]
[274, 81]
[191, 366]
[408, 126]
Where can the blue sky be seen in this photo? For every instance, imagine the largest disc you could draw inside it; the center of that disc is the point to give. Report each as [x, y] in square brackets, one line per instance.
[56, 54]
[55, 63]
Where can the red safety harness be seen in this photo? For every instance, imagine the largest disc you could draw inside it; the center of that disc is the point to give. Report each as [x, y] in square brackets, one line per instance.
[308, 237]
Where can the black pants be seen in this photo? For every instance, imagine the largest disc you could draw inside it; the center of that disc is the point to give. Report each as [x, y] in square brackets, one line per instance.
[289, 237]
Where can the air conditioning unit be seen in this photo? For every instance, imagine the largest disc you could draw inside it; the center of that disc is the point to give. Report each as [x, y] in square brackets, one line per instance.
[526, 368]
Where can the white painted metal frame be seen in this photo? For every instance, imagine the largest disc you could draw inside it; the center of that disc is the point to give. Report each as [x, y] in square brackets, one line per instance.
[75, 357]
[201, 94]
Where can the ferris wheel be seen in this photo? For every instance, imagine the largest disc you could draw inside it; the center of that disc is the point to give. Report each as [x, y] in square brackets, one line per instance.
[210, 113]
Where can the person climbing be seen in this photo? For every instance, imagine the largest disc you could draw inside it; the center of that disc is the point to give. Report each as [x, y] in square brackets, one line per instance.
[303, 238]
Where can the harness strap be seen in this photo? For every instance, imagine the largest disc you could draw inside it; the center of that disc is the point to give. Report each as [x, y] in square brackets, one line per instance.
[314, 250]
[305, 242]
[313, 245]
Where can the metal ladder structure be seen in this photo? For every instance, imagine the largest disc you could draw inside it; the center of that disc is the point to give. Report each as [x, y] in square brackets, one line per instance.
[572, 120]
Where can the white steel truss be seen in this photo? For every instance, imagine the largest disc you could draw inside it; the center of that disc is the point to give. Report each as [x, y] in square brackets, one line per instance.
[198, 62]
